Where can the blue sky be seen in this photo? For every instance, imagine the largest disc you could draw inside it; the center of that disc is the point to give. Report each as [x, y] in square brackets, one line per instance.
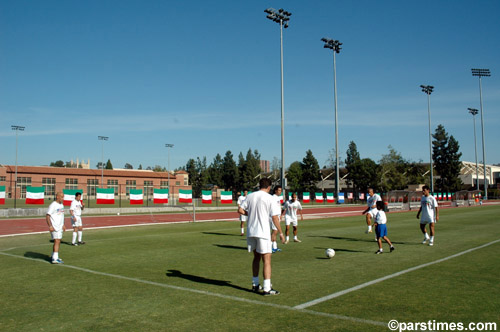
[204, 76]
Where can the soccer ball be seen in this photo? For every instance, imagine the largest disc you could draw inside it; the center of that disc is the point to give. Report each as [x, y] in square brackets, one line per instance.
[329, 252]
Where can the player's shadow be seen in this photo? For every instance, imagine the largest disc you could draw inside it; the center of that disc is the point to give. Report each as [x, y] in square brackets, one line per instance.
[37, 255]
[371, 240]
[230, 247]
[216, 233]
[203, 280]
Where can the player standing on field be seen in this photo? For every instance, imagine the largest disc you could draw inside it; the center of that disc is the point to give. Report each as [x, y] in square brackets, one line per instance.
[371, 209]
[430, 214]
[290, 211]
[258, 207]
[55, 221]
[76, 209]
[243, 218]
[274, 234]
[381, 229]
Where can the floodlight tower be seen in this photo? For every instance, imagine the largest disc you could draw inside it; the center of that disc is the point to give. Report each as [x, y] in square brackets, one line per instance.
[334, 45]
[169, 146]
[480, 73]
[17, 129]
[474, 112]
[428, 90]
[102, 138]
[281, 17]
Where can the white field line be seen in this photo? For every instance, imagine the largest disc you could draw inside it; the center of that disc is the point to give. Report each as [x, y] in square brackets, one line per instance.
[196, 291]
[397, 274]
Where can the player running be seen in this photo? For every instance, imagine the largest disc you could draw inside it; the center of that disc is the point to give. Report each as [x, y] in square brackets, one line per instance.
[381, 228]
[76, 209]
[371, 210]
[430, 214]
[290, 211]
[243, 218]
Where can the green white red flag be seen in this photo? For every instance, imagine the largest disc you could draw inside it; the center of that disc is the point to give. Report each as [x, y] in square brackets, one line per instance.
[226, 197]
[319, 197]
[136, 197]
[35, 195]
[185, 196]
[2, 194]
[306, 198]
[330, 198]
[160, 196]
[206, 197]
[69, 195]
[105, 196]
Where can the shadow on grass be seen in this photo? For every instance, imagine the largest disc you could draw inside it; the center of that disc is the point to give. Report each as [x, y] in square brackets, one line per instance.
[216, 233]
[37, 255]
[371, 240]
[230, 247]
[203, 280]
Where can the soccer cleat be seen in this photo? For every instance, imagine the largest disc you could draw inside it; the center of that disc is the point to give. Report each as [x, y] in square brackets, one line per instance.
[57, 261]
[286, 242]
[256, 288]
[378, 252]
[75, 244]
[242, 234]
[392, 248]
[276, 250]
[368, 231]
[296, 240]
[270, 292]
[80, 243]
[431, 243]
[425, 240]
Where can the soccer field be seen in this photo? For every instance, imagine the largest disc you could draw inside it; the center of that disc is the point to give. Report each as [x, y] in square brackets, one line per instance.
[197, 277]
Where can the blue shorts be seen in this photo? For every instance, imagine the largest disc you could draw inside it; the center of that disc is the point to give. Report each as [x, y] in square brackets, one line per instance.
[381, 230]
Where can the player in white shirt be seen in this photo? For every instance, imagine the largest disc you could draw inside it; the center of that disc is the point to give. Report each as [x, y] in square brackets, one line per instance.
[430, 214]
[381, 230]
[371, 210]
[76, 209]
[55, 221]
[259, 206]
[274, 235]
[243, 218]
[290, 212]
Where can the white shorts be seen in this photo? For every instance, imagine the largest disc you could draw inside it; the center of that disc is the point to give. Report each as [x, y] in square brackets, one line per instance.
[425, 222]
[291, 221]
[273, 227]
[262, 246]
[373, 213]
[243, 218]
[57, 234]
[76, 221]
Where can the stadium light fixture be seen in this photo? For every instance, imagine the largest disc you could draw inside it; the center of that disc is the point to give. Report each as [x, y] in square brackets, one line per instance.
[334, 45]
[482, 73]
[428, 90]
[282, 17]
[17, 129]
[474, 112]
[102, 138]
[169, 146]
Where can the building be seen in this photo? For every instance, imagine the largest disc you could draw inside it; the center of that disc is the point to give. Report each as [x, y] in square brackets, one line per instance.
[265, 166]
[55, 179]
[469, 172]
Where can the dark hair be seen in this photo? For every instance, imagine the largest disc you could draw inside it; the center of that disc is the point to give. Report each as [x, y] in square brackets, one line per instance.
[78, 194]
[380, 205]
[426, 187]
[276, 188]
[264, 183]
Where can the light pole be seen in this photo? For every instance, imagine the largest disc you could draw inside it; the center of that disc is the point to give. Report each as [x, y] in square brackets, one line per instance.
[17, 129]
[428, 90]
[169, 146]
[334, 45]
[282, 17]
[480, 73]
[102, 138]
[474, 112]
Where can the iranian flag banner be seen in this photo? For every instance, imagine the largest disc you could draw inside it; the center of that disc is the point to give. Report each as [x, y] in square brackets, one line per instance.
[449, 196]
[206, 197]
[136, 196]
[69, 195]
[35, 195]
[160, 196]
[226, 197]
[440, 196]
[330, 198]
[306, 198]
[185, 196]
[319, 197]
[2, 194]
[105, 196]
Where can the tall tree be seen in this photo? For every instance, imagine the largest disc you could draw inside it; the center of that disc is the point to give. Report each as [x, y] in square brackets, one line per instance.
[310, 172]
[446, 157]
[58, 163]
[216, 170]
[365, 173]
[229, 171]
[294, 176]
[392, 169]
[128, 166]
[109, 165]
[249, 169]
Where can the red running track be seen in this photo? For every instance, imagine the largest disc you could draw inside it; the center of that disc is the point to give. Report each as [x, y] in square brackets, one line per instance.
[9, 227]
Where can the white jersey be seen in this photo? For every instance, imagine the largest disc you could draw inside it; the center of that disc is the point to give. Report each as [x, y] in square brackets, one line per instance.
[372, 200]
[291, 210]
[56, 213]
[428, 205]
[241, 199]
[260, 207]
[380, 217]
[76, 207]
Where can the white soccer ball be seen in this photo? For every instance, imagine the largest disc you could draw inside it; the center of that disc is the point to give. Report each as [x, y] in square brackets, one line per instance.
[329, 252]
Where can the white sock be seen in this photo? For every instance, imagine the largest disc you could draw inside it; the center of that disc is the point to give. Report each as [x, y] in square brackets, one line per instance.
[242, 231]
[380, 249]
[295, 237]
[80, 233]
[74, 237]
[288, 238]
[267, 285]
[370, 228]
[55, 256]
[426, 236]
[255, 280]
[432, 238]
[275, 245]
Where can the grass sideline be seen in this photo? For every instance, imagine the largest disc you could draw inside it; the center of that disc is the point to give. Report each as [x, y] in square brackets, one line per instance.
[186, 277]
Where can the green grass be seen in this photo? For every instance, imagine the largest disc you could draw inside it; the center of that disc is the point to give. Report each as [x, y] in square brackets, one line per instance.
[212, 257]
